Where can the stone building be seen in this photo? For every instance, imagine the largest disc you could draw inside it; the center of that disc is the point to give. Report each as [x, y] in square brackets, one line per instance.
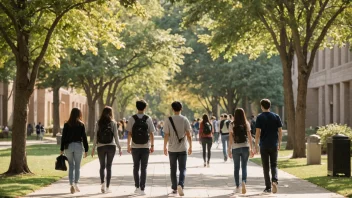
[329, 96]
[40, 108]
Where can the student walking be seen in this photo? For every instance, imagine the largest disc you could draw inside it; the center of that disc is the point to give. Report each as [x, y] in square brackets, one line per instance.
[106, 139]
[206, 131]
[269, 132]
[240, 147]
[216, 130]
[224, 131]
[141, 131]
[177, 128]
[73, 135]
[38, 130]
[196, 128]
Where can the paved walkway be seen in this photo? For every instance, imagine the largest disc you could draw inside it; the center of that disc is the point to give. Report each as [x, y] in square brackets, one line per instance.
[216, 181]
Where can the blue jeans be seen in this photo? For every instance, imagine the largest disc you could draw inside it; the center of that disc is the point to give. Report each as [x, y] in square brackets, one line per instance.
[269, 154]
[74, 154]
[140, 159]
[181, 157]
[240, 155]
[224, 140]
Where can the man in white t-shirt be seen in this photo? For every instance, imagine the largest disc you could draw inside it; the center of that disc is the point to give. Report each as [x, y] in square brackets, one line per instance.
[177, 128]
[141, 130]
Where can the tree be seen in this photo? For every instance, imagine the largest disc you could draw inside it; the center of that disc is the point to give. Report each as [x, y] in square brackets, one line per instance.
[27, 28]
[283, 27]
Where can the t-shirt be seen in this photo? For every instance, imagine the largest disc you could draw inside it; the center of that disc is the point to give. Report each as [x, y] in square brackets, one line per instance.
[244, 144]
[182, 126]
[269, 123]
[151, 129]
[196, 126]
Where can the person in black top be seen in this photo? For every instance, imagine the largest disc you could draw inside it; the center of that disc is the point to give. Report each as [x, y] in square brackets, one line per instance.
[269, 132]
[73, 135]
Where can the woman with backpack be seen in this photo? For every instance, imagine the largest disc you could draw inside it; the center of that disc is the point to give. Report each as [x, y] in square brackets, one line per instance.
[240, 147]
[106, 139]
[206, 137]
[73, 135]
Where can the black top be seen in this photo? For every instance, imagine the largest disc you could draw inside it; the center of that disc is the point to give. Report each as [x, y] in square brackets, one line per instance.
[74, 134]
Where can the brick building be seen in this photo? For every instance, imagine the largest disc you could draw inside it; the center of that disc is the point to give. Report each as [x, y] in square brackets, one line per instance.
[329, 96]
[40, 107]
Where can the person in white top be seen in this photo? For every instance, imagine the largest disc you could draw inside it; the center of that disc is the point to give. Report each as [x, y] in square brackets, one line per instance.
[240, 147]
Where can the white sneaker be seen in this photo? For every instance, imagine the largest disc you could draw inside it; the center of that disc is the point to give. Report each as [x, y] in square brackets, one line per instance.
[108, 190]
[237, 190]
[142, 192]
[180, 190]
[76, 188]
[137, 191]
[103, 188]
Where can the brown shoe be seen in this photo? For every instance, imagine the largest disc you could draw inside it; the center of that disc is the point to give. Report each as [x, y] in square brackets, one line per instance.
[274, 189]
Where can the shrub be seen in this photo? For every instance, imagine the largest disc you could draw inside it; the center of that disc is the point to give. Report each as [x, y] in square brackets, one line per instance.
[330, 130]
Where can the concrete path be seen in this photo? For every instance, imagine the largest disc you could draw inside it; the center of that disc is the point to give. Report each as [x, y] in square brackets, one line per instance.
[7, 144]
[216, 181]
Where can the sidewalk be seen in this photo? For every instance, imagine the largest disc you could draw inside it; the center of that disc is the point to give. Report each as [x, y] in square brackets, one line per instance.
[216, 181]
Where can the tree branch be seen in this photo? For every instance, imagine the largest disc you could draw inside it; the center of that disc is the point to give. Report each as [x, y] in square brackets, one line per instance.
[8, 40]
[10, 15]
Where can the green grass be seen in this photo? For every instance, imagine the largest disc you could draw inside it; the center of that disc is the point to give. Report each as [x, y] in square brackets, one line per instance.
[41, 161]
[32, 137]
[316, 174]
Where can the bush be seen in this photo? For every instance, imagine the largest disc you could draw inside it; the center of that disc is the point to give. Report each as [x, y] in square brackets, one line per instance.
[332, 129]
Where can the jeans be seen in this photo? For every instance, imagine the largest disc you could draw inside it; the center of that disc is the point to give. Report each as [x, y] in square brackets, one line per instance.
[140, 159]
[181, 157]
[224, 140]
[240, 156]
[196, 134]
[74, 154]
[266, 155]
[106, 153]
[207, 142]
[216, 137]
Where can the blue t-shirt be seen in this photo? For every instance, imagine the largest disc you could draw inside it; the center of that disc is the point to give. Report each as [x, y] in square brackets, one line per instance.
[196, 125]
[269, 123]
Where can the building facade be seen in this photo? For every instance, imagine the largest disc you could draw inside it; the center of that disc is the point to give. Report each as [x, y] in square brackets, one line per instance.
[40, 108]
[329, 96]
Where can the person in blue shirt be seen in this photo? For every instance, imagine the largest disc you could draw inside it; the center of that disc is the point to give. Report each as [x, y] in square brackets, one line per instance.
[269, 132]
[196, 129]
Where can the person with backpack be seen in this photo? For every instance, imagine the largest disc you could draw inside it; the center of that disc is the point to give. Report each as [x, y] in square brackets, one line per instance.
[38, 130]
[177, 128]
[240, 147]
[73, 135]
[141, 131]
[224, 131]
[216, 130]
[269, 132]
[106, 139]
[206, 131]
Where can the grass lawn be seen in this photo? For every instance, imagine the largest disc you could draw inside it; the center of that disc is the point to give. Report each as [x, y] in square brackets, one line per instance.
[316, 174]
[41, 161]
[32, 137]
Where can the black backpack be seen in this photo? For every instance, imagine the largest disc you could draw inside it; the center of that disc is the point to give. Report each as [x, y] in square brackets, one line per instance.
[240, 134]
[105, 134]
[60, 163]
[207, 128]
[140, 133]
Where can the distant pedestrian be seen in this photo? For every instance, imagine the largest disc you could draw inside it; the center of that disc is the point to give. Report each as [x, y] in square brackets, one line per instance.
[141, 131]
[269, 132]
[196, 128]
[73, 135]
[106, 140]
[224, 131]
[253, 125]
[216, 130]
[240, 147]
[121, 129]
[38, 130]
[162, 129]
[206, 138]
[42, 132]
[29, 129]
[177, 128]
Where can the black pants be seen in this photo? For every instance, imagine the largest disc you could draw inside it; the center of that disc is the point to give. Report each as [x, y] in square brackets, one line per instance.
[269, 154]
[207, 142]
[181, 158]
[106, 153]
[140, 159]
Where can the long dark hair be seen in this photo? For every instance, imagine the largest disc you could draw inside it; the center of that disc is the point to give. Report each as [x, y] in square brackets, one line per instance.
[106, 116]
[205, 119]
[240, 117]
[75, 117]
[123, 125]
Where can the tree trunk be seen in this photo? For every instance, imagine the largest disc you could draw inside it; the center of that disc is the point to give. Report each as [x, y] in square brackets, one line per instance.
[101, 104]
[214, 106]
[230, 104]
[300, 143]
[23, 91]
[289, 102]
[56, 110]
[91, 119]
[5, 104]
